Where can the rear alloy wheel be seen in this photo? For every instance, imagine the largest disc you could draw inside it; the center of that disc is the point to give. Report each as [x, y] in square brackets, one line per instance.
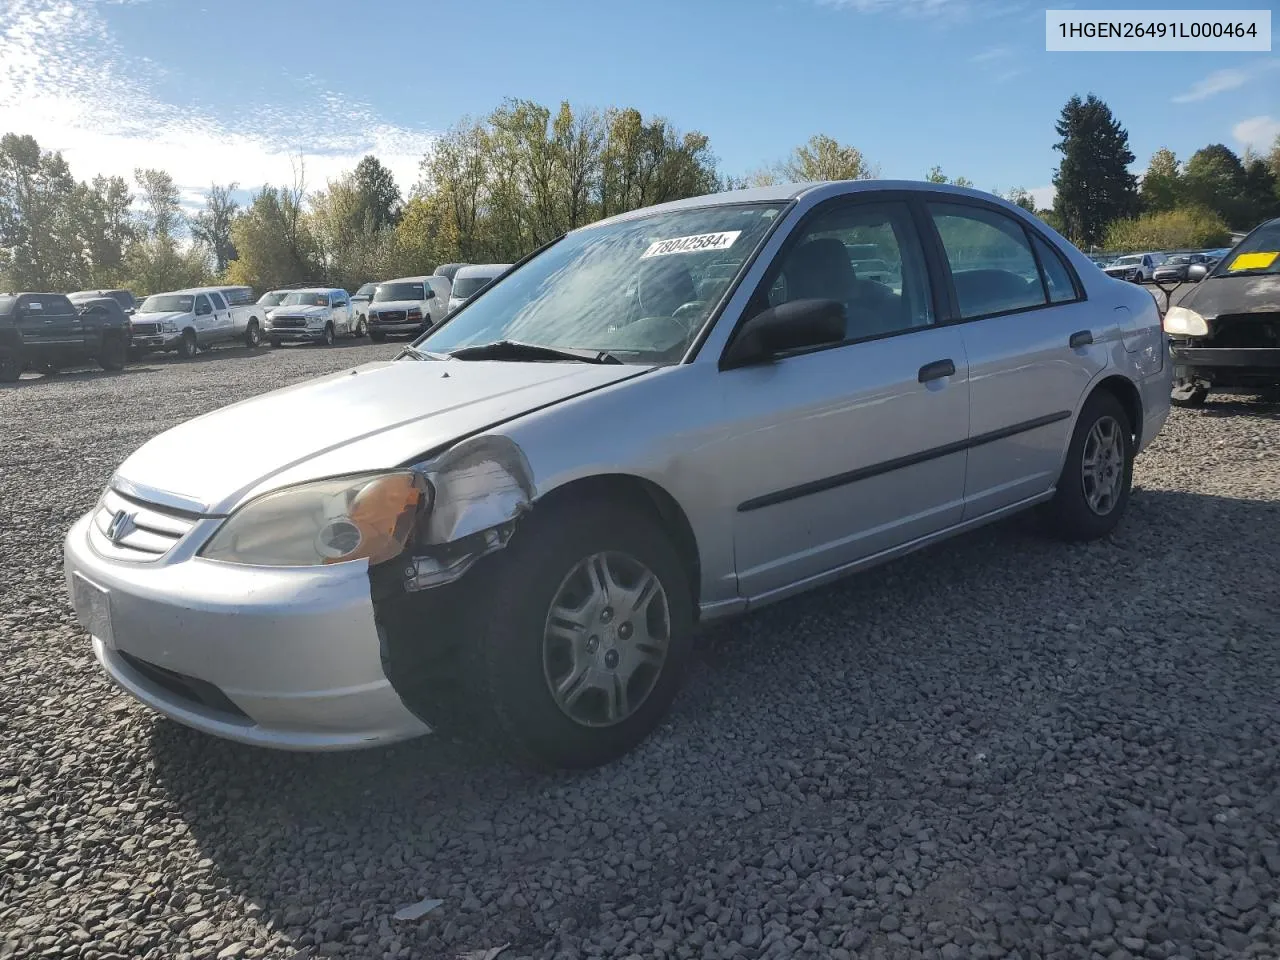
[10, 366]
[253, 335]
[188, 347]
[1093, 489]
[328, 334]
[114, 353]
[585, 654]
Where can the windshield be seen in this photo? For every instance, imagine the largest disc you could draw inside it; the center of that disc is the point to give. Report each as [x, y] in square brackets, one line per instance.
[640, 289]
[464, 287]
[1125, 261]
[168, 303]
[1182, 259]
[271, 299]
[304, 298]
[366, 291]
[398, 291]
[1257, 253]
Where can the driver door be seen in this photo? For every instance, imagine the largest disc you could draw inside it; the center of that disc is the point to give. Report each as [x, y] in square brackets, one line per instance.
[844, 451]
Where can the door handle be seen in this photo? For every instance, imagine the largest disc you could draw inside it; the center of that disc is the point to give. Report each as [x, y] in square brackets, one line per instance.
[937, 370]
[1081, 338]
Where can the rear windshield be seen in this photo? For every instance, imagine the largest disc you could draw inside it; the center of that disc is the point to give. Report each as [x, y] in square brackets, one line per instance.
[167, 303]
[465, 287]
[122, 297]
[398, 291]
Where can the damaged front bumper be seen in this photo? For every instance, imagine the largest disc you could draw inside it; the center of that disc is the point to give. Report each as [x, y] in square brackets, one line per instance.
[287, 657]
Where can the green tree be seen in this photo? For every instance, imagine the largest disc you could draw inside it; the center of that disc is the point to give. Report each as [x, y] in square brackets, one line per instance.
[39, 246]
[274, 240]
[1093, 182]
[211, 227]
[935, 175]
[820, 158]
[156, 260]
[1260, 196]
[1162, 186]
[1215, 178]
[1187, 227]
[106, 228]
[1022, 198]
[379, 196]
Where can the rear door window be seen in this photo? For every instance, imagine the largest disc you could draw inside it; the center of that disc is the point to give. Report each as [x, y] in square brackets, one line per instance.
[1057, 277]
[992, 266]
[218, 302]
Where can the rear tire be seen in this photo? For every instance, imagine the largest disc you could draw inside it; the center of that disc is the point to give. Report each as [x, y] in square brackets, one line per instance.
[10, 366]
[629, 655]
[114, 353]
[188, 347]
[252, 335]
[1093, 489]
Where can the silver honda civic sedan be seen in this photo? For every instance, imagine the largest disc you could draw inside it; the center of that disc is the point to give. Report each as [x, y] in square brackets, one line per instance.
[671, 416]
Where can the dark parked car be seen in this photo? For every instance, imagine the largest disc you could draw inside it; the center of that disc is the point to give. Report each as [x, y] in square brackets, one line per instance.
[46, 331]
[1176, 267]
[123, 297]
[1226, 331]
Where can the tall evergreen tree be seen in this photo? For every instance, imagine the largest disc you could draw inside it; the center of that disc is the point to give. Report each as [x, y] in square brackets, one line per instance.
[1215, 179]
[1093, 182]
[1162, 185]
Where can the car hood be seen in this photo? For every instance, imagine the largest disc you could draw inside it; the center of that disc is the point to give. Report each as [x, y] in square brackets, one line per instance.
[159, 317]
[299, 311]
[374, 417]
[394, 304]
[1217, 296]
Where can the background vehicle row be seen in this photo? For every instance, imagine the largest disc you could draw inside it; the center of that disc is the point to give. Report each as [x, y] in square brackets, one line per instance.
[46, 331]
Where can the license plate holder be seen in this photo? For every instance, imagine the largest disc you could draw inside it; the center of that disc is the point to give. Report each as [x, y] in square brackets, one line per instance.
[93, 608]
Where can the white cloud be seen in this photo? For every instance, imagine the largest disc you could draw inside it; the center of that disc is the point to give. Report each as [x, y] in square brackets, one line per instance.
[1257, 132]
[1221, 81]
[64, 80]
[1043, 196]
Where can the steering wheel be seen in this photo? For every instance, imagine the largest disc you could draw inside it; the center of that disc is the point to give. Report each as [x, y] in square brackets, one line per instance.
[686, 311]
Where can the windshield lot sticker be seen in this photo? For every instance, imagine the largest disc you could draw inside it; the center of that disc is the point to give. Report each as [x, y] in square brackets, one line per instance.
[1254, 261]
[695, 244]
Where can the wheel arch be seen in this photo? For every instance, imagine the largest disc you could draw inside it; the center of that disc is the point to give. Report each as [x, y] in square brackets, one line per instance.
[1126, 391]
[644, 494]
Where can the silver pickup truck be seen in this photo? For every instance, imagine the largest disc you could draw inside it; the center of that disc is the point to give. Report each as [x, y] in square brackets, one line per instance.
[191, 320]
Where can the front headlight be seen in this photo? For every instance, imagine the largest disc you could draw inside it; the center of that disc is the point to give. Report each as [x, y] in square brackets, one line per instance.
[169, 326]
[1180, 321]
[315, 321]
[369, 517]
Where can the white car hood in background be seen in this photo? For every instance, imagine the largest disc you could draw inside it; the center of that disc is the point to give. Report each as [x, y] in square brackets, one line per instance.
[159, 317]
[379, 305]
[299, 311]
[373, 417]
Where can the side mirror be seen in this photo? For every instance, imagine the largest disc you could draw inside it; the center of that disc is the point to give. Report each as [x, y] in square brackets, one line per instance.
[1197, 272]
[788, 326]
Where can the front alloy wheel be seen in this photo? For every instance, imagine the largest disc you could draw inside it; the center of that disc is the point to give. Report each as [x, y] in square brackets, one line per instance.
[605, 639]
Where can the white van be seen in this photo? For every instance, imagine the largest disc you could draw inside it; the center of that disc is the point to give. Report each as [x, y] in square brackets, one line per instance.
[470, 280]
[409, 305]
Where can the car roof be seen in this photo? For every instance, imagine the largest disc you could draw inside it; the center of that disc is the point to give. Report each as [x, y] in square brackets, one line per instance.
[410, 280]
[479, 270]
[786, 192]
[307, 290]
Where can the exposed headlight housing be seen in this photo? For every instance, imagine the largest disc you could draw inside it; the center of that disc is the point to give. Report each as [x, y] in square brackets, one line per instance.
[314, 321]
[1182, 322]
[169, 326]
[370, 517]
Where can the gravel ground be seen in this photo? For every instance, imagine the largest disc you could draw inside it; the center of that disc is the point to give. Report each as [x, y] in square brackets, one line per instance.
[1003, 747]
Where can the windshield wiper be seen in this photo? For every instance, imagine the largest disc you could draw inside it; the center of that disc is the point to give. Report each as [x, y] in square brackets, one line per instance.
[515, 350]
[411, 351]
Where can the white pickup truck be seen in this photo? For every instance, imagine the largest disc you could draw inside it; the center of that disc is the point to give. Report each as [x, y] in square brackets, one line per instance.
[191, 320]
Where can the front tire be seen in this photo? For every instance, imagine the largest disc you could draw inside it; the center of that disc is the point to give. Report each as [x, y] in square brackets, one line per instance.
[188, 347]
[114, 354]
[252, 335]
[581, 661]
[359, 330]
[328, 335]
[10, 365]
[1093, 489]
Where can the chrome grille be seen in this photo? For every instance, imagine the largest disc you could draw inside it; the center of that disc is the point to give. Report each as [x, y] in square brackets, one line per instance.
[288, 321]
[149, 532]
[146, 329]
[389, 316]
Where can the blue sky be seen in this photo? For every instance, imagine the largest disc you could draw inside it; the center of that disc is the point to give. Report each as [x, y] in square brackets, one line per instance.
[228, 89]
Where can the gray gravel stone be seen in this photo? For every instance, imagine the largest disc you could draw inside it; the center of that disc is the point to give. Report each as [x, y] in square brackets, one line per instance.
[1003, 747]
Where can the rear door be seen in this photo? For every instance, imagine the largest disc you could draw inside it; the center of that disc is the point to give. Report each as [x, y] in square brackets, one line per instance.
[340, 311]
[55, 324]
[1034, 344]
[224, 322]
